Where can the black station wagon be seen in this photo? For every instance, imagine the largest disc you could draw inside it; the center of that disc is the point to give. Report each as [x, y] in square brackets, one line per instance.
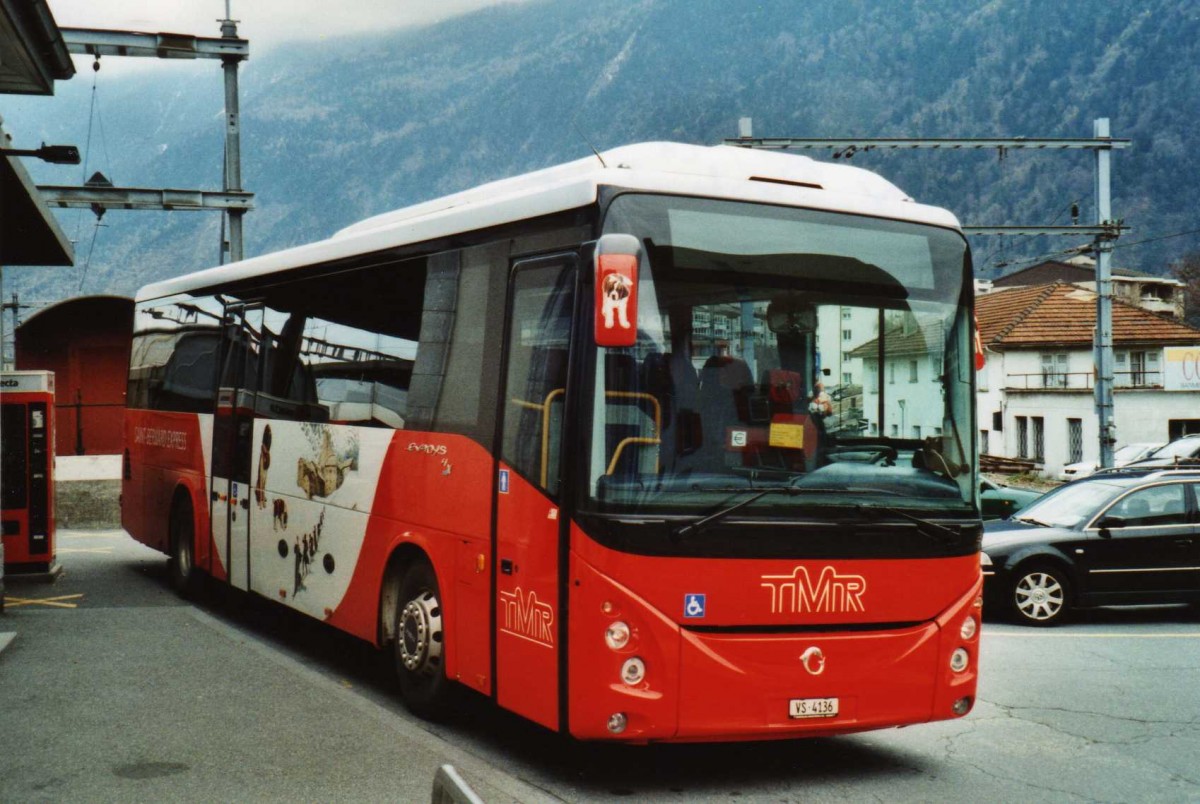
[1119, 537]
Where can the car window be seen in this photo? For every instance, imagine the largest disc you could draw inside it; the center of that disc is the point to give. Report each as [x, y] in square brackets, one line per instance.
[1183, 448]
[1195, 492]
[1152, 507]
[1070, 505]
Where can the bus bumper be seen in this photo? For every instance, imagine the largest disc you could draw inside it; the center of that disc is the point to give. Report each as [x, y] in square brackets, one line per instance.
[715, 684]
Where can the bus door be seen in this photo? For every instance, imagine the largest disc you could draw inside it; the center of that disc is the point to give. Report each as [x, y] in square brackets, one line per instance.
[233, 436]
[530, 532]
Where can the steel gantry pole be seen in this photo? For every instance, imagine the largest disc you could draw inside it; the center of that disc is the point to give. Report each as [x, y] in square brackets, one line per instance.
[1104, 232]
[1103, 338]
[233, 137]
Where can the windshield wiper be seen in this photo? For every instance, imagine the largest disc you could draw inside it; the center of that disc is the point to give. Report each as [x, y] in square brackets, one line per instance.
[698, 525]
[938, 533]
[1032, 521]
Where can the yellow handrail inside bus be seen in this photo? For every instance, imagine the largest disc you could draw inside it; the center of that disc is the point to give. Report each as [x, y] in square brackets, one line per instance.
[612, 466]
[656, 441]
[546, 431]
[544, 407]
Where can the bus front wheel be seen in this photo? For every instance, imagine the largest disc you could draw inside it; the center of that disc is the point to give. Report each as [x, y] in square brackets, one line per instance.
[418, 647]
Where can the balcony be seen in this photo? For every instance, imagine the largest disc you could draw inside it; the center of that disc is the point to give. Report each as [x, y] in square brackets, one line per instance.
[1074, 381]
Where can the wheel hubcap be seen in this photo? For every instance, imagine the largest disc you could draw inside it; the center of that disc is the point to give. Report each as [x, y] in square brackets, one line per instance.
[1039, 596]
[420, 637]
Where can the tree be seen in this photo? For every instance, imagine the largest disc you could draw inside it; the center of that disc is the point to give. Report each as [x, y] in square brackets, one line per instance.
[1187, 271]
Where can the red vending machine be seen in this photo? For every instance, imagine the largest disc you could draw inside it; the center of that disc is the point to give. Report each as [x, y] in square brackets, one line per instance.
[27, 472]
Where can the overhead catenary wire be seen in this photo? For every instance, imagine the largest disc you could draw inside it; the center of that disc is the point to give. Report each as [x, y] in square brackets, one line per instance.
[97, 118]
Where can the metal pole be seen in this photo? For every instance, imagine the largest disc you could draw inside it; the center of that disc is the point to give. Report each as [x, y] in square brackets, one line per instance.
[1104, 333]
[233, 146]
[79, 450]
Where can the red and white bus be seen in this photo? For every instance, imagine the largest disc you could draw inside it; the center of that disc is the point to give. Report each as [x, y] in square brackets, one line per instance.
[670, 443]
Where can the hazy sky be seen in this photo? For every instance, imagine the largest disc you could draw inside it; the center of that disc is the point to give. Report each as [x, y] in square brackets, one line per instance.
[265, 23]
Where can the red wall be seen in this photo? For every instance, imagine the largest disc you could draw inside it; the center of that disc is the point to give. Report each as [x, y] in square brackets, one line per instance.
[85, 342]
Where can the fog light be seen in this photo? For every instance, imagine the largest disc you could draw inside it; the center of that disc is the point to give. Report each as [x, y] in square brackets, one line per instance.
[617, 635]
[633, 671]
[961, 706]
[617, 722]
[959, 660]
[969, 627]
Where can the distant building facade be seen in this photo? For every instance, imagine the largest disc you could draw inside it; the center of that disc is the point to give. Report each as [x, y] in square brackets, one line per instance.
[85, 341]
[1036, 391]
[1157, 294]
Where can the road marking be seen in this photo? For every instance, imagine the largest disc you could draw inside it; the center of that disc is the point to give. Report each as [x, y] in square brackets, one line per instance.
[53, 602]
[85, 549]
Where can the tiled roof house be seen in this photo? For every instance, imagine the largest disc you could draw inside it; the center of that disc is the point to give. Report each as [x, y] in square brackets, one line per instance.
[1036, 391]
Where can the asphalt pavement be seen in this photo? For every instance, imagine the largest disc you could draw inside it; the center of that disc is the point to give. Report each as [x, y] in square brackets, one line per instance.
[113, 689]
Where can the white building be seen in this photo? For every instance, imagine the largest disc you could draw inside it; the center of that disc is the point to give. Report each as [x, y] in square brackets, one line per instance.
[1036, 391]
[913, 401]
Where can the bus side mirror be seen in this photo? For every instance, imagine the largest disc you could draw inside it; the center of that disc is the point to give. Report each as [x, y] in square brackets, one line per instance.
[616, 279]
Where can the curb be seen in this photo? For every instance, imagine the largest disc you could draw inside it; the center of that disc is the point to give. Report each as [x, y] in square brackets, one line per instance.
[5, 638]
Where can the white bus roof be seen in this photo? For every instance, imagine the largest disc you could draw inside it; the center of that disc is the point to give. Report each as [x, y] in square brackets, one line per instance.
[721, 171]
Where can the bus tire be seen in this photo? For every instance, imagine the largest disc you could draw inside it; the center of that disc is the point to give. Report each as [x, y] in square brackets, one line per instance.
[419, 643]
[181, 566]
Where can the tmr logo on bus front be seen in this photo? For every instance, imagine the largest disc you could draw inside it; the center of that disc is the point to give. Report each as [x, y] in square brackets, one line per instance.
[527, 617]
[831, 593]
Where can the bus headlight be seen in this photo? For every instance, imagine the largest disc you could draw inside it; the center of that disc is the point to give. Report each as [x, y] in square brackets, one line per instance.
[633, 671]
[959, 660]
[616, 636]
[968, 629]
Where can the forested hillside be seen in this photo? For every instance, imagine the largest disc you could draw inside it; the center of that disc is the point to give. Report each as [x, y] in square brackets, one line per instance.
[336, 131]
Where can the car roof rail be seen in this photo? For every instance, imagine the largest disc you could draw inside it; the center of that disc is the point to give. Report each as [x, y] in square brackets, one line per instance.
[1175, 471]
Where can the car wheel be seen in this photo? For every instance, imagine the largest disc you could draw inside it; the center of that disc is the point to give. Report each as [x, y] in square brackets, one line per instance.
[1040, 595]
[418, 647]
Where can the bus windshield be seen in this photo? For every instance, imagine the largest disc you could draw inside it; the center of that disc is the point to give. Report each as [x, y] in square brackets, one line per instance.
[825, 354]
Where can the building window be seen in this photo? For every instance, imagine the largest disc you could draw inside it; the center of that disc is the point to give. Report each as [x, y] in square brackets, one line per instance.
[1178, 428]
[1074, 440]
[895, 431]
[1144, 368]
[983, 442]
[1054, 370]
[847, 335]
[873, 378]
[1022, 436]
[891, 373]
[916, 431]
[1039, 439]
[846, 313]
[847, 378]
[912, 371]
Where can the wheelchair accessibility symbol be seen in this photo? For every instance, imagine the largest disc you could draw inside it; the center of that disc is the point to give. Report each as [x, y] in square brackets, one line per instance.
[693, 605]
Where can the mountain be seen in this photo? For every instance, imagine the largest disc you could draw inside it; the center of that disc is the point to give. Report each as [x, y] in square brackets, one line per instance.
[346, 128]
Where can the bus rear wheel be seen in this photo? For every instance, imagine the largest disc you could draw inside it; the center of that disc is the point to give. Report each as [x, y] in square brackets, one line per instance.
[181, 566]
[418, 646]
